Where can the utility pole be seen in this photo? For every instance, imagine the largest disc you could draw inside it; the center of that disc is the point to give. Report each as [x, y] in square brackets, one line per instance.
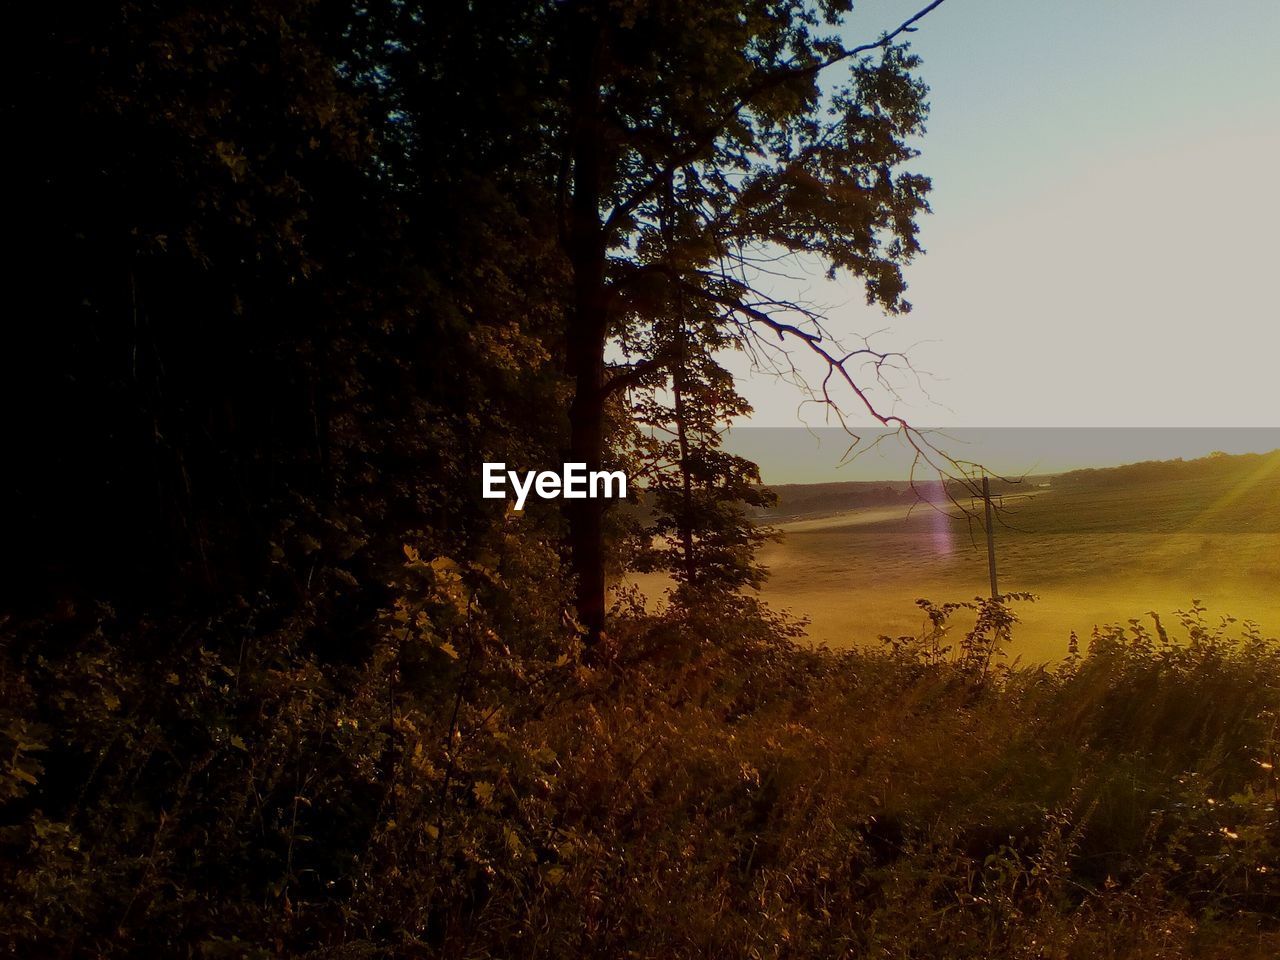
[991, 538]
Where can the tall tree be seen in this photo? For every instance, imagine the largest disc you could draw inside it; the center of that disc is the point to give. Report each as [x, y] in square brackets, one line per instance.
[713, 115]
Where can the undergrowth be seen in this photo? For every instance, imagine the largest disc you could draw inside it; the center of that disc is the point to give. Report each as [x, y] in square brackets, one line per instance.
[700, 785]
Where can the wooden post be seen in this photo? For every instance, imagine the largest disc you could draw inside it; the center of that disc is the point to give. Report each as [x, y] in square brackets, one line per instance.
[991, 537]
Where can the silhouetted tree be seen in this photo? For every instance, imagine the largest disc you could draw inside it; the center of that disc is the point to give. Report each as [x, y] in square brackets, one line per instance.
[715, 112]
[698, 493]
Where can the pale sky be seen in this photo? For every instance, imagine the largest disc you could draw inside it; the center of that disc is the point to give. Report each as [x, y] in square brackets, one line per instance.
[1106, 191]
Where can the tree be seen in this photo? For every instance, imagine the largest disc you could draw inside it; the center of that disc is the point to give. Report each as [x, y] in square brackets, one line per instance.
[700, 532]
[698, 493]
[714, 113]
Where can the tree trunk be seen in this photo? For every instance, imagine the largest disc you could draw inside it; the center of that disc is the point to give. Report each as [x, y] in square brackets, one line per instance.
[588, 325]
[686, 479]
[586, 517]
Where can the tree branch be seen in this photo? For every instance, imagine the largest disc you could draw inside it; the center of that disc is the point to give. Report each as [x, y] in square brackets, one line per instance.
[633, 374]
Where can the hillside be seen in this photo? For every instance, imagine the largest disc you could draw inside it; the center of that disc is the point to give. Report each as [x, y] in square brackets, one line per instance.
[1092, 545]
[1238, 491]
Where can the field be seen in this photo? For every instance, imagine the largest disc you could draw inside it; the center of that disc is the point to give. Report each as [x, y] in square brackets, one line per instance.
[1095, 547]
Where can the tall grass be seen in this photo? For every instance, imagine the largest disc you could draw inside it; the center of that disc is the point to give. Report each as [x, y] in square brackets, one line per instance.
[761, 800]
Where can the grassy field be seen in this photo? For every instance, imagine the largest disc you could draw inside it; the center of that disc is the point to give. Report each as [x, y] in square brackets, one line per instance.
[1094, 546]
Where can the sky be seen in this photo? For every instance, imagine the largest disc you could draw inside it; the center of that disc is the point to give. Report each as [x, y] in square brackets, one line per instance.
[1101, 251]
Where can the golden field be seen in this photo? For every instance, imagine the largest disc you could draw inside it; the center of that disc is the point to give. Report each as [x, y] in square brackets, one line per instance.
[1093, 546]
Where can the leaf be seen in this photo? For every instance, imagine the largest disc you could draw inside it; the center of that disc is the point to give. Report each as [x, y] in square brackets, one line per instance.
[513, 843]
[544, 755]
